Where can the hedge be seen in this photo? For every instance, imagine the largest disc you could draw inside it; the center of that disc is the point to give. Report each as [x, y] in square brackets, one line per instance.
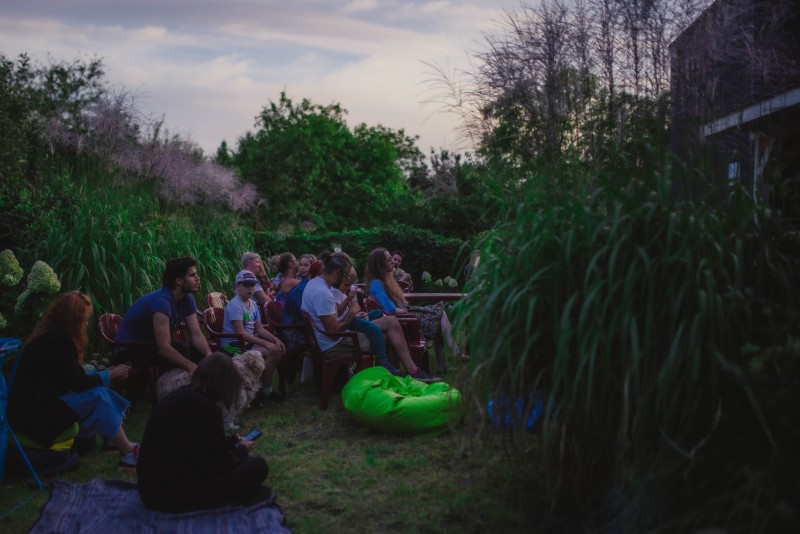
[423, 250]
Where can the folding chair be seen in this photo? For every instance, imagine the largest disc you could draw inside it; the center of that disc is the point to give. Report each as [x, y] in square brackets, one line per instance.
[8, 348]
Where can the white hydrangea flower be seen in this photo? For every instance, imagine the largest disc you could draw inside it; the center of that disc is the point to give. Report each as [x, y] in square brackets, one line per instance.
[10, 270]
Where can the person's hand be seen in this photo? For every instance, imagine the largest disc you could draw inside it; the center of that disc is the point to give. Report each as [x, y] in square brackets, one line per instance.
[118, 371]
[244, 443]
[191, 367]
[281, 346]
[354, 307]
[362, 315]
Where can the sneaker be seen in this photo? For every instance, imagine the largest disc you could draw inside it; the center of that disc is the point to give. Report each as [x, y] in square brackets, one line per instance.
[422, 376]
[386, 364]
[127, 462]
[273, 396]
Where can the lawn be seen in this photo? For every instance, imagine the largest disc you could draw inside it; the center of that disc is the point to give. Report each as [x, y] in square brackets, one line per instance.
[332, 475]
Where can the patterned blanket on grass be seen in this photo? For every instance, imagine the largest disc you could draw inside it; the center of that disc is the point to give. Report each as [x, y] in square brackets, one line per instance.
[114, 506]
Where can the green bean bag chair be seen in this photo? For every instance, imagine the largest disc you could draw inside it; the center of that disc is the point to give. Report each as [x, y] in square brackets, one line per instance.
[377, 399]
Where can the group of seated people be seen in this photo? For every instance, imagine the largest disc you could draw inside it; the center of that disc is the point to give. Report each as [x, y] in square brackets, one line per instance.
[185, 460]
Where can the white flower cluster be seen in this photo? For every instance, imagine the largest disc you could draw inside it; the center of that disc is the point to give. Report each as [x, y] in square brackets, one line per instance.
[10, 270]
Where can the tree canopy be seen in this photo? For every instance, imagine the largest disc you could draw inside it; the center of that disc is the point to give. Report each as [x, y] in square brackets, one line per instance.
[311, 167]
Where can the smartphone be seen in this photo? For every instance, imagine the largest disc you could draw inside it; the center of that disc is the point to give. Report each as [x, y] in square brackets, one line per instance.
[253, 435]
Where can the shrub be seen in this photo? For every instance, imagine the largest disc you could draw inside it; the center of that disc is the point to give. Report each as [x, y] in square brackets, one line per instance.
[662, 338]
[10, 270]
[113, 244]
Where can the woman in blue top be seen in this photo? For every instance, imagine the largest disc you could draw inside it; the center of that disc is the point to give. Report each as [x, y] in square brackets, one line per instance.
[381, 286]
[286, 279]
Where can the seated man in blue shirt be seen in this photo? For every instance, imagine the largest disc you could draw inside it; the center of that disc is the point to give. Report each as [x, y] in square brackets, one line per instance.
[155, 317]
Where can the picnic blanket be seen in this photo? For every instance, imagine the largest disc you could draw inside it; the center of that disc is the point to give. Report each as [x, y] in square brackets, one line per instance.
[114, 506]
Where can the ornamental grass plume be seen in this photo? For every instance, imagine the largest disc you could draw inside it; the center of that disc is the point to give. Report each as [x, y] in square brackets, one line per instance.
[10, 270]
[41, 279]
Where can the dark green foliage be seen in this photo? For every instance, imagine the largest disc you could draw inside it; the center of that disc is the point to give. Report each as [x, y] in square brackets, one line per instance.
[310, 167]
[113, 243]
[664, 336]
[31, 97]
[424, 250]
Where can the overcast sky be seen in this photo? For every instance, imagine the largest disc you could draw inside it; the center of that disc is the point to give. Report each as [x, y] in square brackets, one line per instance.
[210, 66]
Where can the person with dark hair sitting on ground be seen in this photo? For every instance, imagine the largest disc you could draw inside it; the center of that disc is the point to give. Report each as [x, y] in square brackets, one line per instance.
[51, 391]
[155, 317]
[186, 461]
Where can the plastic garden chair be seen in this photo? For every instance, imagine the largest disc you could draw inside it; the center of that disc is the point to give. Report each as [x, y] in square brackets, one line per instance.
[325, 369]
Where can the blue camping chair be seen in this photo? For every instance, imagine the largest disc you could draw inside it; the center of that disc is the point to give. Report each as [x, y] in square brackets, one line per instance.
[8, 348]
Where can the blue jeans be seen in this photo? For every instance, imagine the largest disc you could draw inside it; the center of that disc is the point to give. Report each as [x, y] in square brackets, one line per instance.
[373, 333]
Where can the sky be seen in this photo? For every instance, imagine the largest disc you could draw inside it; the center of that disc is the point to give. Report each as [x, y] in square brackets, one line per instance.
[208, 67]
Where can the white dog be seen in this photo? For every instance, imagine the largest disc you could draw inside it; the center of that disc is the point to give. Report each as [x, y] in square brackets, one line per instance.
[250, 364]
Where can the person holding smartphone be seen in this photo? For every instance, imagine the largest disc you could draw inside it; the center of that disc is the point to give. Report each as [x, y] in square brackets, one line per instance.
[186, 462]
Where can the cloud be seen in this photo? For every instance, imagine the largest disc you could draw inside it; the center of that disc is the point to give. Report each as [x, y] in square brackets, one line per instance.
[360, 5]
[210, 67]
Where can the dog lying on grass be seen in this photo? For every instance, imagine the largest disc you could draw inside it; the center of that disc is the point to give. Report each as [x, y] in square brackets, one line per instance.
[250, 364]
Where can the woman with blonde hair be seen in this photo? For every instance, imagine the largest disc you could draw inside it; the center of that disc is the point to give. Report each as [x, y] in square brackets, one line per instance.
[51, 390]
[303, 265]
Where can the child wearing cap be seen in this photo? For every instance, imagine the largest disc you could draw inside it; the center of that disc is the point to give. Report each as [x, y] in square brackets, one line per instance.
[242, 317]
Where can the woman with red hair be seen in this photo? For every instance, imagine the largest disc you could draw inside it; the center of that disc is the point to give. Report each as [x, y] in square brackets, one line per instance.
[51, 390]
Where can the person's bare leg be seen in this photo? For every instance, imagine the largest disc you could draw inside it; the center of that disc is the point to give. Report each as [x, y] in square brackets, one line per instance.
[447, 333]
[121, 441]
[397, 339]
[270, 362]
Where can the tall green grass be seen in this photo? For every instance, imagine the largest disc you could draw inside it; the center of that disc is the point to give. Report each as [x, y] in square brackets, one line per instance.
[113, 242]
[661, 334]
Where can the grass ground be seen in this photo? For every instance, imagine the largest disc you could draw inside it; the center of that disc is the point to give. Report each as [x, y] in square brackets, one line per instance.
[333, 475]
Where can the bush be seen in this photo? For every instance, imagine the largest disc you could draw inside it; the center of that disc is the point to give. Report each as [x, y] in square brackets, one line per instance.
[113, 244]
[662, 336]
[424, 250]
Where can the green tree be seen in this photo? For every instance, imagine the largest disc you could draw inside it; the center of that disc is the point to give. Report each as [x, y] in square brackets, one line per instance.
[31, 99]
[310, 166]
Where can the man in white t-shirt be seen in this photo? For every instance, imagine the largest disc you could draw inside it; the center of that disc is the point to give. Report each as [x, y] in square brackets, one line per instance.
[318, 301]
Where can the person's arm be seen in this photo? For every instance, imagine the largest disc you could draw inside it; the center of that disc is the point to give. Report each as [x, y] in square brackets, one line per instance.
[163, 337]
[332, 324]
[198, 339]
[261, 298]
[378, 292]
[238, 329]
[345, 302]
[269, 337]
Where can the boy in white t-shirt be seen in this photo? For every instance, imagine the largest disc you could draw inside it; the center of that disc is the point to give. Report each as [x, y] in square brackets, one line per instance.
[242, 317]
